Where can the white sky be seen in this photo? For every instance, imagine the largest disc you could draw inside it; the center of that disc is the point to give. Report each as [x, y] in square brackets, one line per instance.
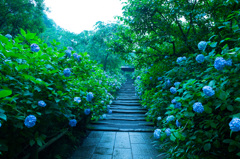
[79, 15]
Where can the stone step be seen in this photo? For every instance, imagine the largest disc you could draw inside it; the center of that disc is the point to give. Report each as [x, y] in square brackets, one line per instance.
[128, 111]
[126, 101]
[127, 107]
[121, 128]
[127, 98]
[122, 122]
[126, 118]
[128, 104]
[125, 115]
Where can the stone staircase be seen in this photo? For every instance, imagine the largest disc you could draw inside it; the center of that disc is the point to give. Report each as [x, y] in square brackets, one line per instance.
[127, 113]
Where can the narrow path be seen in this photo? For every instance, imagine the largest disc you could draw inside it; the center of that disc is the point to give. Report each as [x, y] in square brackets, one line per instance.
[124, 135]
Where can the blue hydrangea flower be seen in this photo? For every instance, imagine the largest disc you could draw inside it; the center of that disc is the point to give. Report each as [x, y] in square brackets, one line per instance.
[41, 103]
[151, 64]
[8, 36]
[178, 124]
[198, 107]
[170, 118]
[106, 76]
[109, 111]
[102, 102]
[228, 62]
[138, 77]
[184, 58]
[70, 48]
[202, 45]
[77, 99]
[110, 102]
[168, 83]
[200, 58]
[174, 101]
[207, 90]
[177, 83]
[89, 96]
[219, 63]
[0, 124]
[168, 131]
[235, 124]
[104, 116]
[166, 57]
[30, 121]
[79, 58]
[150, 78]
[35, 48]
[159, 118]
[149, 67]
[159, 78]
[177, 105]
[173, 90]
[68, 53]
[157, 134]
[67, 72]
[179, 59]
[75, 55]
[87, 111]
[108, 106]
[73, 122]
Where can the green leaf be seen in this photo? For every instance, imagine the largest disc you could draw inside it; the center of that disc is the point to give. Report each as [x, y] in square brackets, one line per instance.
[3, 116]
[238, 154]
[230, 108]
[214, 44]
[227, 141]
[207, 147]
[31, 142]
[237, 99]
[5, 93]
[172, 137]
[189, 114]
[23, 33]
[39, 142]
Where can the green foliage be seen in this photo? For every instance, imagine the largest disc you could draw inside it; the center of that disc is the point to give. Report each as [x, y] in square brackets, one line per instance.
[28, 77]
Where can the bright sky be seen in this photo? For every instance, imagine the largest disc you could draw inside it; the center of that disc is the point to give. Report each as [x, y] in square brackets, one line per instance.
[79, 15]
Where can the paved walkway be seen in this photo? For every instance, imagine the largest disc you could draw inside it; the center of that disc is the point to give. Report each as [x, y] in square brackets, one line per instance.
[117, 145]
[125, 134]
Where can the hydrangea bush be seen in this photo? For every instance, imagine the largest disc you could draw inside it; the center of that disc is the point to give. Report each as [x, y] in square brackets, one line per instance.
[202, 113]
[45, 90]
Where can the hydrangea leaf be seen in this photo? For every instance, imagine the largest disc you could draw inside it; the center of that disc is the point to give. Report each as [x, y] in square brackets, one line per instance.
[172, 137]
[5, 93]
[207, 147]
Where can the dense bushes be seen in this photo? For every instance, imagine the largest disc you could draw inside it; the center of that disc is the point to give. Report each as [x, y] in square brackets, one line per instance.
[198, 102]
[45, 91]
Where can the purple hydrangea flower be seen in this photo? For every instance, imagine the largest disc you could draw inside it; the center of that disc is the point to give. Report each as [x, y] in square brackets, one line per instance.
[8, 36]
[178, 124]
[228, 62]
[177, 83]
[177, 105]
[73, 122]
[202, 45]
[68, 53]
[30, 121]
[87, 111]
[170, 118]
[200, 58]
[35, 48]
[174, 101]
[198, 107]
[173, 90]
[150, 78]
[179, 59]
[67, 72]
[89, 96]
[219, 63]
[41, 103]
[70, 48]
[159, 78]
[157, 134]
[109, 111]
[77, 99]
[168, 131]
[207, 90]
[235, 124]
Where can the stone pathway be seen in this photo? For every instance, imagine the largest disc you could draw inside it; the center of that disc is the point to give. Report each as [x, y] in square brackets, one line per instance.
[124, 135]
